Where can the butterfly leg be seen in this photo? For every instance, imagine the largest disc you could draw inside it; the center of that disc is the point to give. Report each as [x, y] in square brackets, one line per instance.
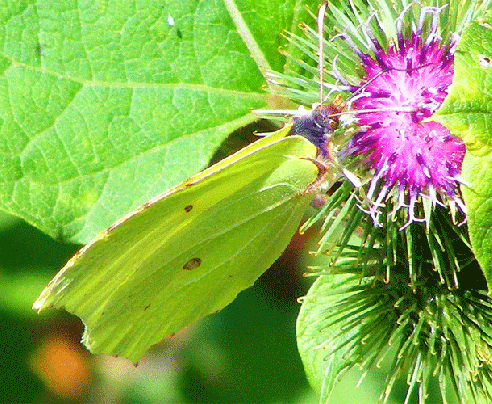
[328, 174]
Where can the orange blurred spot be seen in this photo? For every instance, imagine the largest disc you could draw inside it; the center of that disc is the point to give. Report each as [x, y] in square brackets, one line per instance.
[62, 366]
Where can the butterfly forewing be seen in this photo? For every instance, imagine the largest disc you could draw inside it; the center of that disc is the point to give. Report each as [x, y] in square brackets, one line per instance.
[188, 253]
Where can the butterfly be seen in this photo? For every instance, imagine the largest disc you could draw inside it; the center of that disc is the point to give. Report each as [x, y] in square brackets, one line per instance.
[188, 252]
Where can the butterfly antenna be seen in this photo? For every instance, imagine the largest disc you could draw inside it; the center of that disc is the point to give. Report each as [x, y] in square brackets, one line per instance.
[321, 58]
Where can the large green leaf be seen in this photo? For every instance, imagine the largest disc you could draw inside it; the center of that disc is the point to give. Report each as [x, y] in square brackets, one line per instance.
[104, 104]
[467, 112]
[190, 251]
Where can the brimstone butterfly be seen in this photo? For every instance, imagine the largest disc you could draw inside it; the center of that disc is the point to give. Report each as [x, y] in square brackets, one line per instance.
[189, 251]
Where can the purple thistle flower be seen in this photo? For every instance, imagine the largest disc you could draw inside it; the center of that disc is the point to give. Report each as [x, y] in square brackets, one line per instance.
[411, 157]
[396, 65]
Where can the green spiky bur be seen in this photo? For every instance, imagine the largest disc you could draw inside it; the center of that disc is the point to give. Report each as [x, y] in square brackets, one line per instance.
[467, 113]
[188, 252]
[430, 334]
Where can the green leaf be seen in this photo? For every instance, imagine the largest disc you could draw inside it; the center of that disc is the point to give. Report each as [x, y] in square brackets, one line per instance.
[104, 104]
[188, 252]
[477, 171]
[320, 334]
[467, 113]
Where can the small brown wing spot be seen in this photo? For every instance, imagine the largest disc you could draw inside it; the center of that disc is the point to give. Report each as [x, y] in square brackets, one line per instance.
[146, 307]
[188, 208]
[192, 264]
[484, 61]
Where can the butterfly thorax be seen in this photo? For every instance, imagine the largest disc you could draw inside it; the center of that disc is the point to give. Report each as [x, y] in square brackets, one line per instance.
[318, 125]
